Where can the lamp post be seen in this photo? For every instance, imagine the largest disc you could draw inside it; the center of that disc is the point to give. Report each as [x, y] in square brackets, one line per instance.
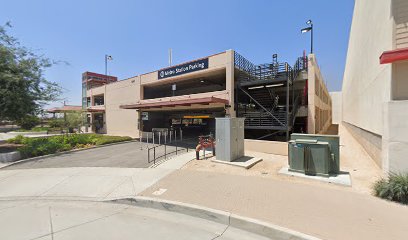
[307, 29]
[107, 57]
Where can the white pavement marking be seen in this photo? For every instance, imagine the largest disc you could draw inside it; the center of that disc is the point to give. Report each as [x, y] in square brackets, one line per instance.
[159, 192]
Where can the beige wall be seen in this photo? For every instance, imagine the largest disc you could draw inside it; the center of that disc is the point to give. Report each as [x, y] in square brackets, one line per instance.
[319, 100]
[366, 83]
[373, 94]
[395, 138]
[400, 13]
[122, 122]
[400, 81]
[336, 107]
[271, 147]
[125, 121]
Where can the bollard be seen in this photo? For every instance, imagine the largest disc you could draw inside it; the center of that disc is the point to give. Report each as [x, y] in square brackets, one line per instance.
[153, 137]
[160, 137]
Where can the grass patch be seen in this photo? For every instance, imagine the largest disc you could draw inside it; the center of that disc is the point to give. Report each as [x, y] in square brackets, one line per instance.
[393, 188]
[33, 147]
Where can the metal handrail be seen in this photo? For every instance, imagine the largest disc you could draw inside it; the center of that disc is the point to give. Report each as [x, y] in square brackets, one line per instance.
[165, 144]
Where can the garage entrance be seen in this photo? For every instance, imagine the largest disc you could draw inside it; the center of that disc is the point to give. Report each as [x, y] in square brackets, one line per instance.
[193, 123]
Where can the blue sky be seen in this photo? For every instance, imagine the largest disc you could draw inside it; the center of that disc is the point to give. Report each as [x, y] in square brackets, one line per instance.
[138, 34]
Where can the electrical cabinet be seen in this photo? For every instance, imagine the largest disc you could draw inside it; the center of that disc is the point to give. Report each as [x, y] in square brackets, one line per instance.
[229, 134]
[314, 154]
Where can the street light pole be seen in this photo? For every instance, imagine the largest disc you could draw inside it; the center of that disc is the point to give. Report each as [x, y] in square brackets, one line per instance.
[311, 37]
[106, 64]
[309, 29]
[107, 57]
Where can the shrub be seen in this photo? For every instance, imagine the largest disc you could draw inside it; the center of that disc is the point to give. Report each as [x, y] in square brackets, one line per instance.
[395, 188]
[47, 145]
[57, 123]
[28, 122]
[34, 147]
[17, 139]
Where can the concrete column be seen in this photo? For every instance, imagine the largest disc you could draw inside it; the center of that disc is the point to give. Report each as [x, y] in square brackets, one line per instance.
[230, 80]
[394, 138]
[311, 95]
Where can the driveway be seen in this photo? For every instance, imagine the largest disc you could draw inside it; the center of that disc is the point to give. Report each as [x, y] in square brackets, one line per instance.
[124, 155]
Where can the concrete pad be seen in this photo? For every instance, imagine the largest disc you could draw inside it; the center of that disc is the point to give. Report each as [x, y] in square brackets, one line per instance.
[28, 186]
[35, 222]
[86, 187]
[341, 179]
[66, 215]
[125, 189]
[148, 177]
[176, 162]
[244, 162]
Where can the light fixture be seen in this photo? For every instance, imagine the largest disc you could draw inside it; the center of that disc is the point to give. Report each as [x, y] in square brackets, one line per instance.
[202, 81]
[274, 85]
[305, 30]
[257, 87]
[309, 22]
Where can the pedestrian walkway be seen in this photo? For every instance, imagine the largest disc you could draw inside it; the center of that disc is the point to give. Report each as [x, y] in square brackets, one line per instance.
[320, 211]
[77, 183]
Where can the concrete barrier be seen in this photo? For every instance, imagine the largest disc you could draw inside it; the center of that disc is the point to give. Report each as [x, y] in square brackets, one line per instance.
[10, 157]
[271, 147]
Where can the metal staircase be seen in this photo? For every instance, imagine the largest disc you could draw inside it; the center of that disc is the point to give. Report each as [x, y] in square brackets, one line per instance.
[257, 98]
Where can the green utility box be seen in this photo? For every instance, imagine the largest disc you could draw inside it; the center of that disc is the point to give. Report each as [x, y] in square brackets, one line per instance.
[314, 154]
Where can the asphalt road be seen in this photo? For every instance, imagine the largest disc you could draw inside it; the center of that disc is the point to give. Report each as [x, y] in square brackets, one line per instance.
[59, 220]
[125, 155]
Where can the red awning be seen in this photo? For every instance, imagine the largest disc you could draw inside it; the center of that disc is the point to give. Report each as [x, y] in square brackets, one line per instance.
[66, 108]
[394, 55]
[174, 103]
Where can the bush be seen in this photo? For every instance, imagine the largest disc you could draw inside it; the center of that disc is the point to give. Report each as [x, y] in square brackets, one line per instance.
[28, 122]
[395, 188]
[17, 139]
[57, 123]
[34, 147]
[48, 145]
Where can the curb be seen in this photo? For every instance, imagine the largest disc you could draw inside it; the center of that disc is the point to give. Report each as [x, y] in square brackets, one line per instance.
[62, 153]
[247, 224]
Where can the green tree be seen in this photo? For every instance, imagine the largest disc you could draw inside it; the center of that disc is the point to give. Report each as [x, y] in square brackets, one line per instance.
[74, 119]
[23, 87]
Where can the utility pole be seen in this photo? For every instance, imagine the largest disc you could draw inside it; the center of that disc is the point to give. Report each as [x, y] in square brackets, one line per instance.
[170, 57]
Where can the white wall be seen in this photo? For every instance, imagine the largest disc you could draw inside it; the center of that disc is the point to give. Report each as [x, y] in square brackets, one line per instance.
[336, 107]
[366, 83]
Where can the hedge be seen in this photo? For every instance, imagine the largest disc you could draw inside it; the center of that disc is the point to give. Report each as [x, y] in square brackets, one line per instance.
[33, 147]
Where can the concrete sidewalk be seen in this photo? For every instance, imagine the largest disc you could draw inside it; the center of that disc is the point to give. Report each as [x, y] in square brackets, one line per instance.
[320, 211]
[77, 183]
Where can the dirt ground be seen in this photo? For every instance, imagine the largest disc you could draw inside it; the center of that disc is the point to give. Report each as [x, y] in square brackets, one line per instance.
[353, 159]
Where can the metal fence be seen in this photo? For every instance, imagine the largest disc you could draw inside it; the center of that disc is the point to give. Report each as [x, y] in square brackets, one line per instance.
[163, 142]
